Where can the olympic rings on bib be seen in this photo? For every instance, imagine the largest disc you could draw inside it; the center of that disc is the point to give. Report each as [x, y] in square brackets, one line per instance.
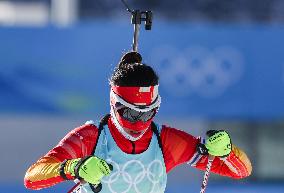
[148, 172]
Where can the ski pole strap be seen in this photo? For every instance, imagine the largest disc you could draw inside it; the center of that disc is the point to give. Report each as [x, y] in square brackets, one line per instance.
[61, 170]
[201, 148]
[206, 174]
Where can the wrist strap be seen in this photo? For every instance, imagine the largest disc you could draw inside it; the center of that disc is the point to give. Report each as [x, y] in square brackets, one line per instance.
[78, 165]
[201, 149]
[61, 170]
[96, 188]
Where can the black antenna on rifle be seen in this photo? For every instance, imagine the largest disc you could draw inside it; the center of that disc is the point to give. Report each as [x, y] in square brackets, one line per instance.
[137, 17]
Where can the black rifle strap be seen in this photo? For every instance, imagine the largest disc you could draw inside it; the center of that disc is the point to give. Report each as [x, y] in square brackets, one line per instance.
[102, 123]
[156, 132]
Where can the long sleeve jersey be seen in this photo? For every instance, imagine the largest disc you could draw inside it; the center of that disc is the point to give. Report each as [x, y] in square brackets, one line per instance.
[178, 147]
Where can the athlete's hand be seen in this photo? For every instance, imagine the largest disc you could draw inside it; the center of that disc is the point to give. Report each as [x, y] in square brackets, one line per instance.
[218, 144]
[91, 169]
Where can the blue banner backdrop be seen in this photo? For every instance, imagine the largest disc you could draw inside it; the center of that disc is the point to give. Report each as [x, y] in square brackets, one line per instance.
[205, 71]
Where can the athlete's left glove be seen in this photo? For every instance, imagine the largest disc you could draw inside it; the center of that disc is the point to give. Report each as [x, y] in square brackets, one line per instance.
[218, 144]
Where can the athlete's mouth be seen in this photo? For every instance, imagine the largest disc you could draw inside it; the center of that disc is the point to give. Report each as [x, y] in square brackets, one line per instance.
[134, 133]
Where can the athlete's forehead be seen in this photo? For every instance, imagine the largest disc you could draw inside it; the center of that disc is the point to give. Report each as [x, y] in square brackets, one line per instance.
[137, 95]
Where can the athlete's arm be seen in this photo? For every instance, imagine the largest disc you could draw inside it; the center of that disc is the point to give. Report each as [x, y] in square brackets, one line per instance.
[76, 144]
[180, 147]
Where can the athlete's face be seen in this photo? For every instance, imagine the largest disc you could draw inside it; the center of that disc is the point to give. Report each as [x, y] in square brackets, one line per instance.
[133, 109]
[133, 122]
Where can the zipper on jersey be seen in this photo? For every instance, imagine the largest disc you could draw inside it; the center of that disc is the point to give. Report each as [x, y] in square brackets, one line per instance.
[133, 147]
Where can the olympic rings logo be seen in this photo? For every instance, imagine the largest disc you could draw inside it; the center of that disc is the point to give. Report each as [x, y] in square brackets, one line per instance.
[197, 70]
[152, 173]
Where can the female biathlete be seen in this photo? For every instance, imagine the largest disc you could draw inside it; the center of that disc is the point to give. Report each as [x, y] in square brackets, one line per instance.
[126, 152]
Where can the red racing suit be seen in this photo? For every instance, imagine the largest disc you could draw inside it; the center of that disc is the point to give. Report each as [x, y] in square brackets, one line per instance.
[178, 147]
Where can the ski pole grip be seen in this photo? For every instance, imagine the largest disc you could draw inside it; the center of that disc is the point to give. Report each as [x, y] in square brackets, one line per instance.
[96, 188]
[211, 132]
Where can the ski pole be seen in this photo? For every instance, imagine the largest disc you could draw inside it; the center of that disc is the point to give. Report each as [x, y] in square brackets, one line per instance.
[206, 173]
[94, 187]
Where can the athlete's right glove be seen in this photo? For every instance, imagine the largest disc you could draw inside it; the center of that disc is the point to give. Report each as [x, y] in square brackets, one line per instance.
[218, 144]
[90, 169]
